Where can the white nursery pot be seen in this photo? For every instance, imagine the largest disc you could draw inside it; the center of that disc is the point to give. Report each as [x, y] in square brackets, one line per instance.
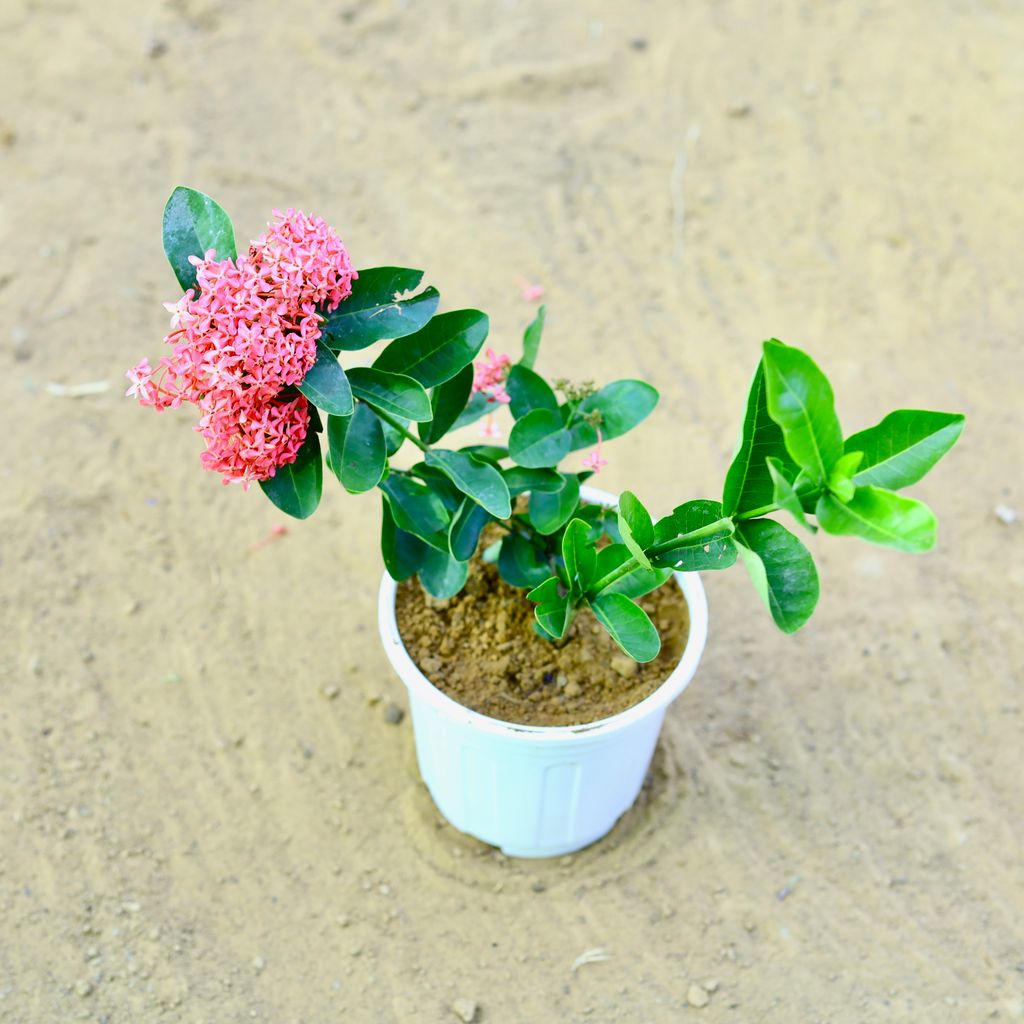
[536, 791]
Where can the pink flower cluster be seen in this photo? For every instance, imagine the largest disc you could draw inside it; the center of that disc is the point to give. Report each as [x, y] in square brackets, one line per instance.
[489, 377]
[250, 333]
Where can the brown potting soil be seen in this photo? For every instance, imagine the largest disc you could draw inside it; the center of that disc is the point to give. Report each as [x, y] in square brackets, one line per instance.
[480, 648]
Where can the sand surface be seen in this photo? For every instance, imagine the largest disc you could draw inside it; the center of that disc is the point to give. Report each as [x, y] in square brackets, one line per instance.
[190, 830]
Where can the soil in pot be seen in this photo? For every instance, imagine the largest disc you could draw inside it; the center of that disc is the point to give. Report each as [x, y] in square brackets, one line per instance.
[480, 649]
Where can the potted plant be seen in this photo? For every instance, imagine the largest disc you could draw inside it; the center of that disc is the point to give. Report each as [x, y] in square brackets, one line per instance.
[538, 678]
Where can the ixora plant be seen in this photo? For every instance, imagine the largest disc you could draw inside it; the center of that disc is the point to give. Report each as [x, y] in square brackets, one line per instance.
[256, 340]
[257, 343]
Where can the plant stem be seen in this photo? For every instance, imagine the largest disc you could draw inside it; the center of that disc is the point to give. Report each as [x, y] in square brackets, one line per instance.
[405, 433]
[656, 549]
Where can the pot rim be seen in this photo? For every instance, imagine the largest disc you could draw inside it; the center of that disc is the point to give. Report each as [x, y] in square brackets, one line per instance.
[677, 681]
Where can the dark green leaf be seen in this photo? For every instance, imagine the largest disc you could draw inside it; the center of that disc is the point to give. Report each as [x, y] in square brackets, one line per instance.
[393, 437]
[748, 484]
[358, 453]
[403, 552]
[193, 224]
[800, 401]
[579, 555]
[519, 479]
[528, 391]
[393, 393]
[295, 488]
[492, 453]
[447, 402]
[467, 525]
[416, 508]
[438, 351]
[326, 384]
[551, 510]
[475, 478]
[531, 339]
[628, 625]
[374, 312]
[539, 440]
[553, 611]
[785, 494]
[478, 406]
[882, 517]
[904, 446]
[782, 570]
[713, 550]
[622, 404]
[440, 483]
[442, 575]
[520, 564]
[635, 527]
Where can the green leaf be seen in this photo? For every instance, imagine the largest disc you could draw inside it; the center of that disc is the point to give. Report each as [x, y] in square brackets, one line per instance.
[520, 479]
[416, 508]
[539, 440]
[374, 312]
[492, 453]
[442, 575]
[475, 478]
[520, 564]
[478, 406]
[714, 550]
[446, 404]
[881, 517]
[634, 584]
[840, 481]
[295, 488]
[553, 610]
[551, 510]
[358, 453]
[326, 385]
[467, 525]
[403, 552]
[782, 570]
[628, 625]
[531, 339]
[748, 484]
[193, 224]
[438, 351]
[785, 494]
[528, 391]
[579, 556]
[904, 446]
[393, 393]
[393, 437]
[622, 404]
[635, 527]
[800, 401]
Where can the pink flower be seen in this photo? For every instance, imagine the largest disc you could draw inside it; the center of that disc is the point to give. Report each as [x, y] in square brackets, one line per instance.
[142, 386]
[248, 332]
[490, 375]
[249, 440]
[530, 292]
[593, 460]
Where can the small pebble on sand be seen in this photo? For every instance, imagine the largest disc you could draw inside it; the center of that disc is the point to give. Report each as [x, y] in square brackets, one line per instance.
[393, 714]
[331, 692]
[573, 689]
[465, 1010]
[697, 996]
[625, 667]
[1006, 515]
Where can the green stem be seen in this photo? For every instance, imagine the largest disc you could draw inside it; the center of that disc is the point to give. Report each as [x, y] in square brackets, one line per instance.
[405, 433]
[656, 549]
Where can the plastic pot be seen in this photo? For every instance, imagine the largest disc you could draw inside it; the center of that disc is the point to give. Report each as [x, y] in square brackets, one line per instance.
[536, 791]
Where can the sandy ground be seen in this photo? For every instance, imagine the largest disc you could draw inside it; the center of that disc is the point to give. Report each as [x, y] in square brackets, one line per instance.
[191, 831]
